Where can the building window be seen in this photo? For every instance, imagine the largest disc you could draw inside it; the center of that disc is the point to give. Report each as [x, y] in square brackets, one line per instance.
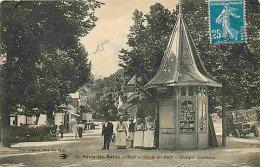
[187, 116]
[191, 91]
[170, 91]
[202, 91]
[183, 91]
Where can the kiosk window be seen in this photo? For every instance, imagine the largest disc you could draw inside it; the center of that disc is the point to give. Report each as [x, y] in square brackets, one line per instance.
[187, 116]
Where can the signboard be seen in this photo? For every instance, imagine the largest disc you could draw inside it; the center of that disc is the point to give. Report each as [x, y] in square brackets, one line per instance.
[87, 116]
[227, 21]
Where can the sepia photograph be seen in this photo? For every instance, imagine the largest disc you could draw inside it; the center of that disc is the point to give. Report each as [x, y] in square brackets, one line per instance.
[129, 83]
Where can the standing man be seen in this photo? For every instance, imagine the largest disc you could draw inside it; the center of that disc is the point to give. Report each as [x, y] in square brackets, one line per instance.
[121, 134]
[131, 131]
[107, 137]
[110, 128]
[88, 125]
[80, 129]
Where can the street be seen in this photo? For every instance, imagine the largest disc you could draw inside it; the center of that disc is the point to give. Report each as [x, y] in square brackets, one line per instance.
[167, 74]
[87, 152]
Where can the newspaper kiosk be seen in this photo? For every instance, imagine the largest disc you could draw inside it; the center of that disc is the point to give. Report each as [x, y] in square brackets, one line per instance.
[180, 91]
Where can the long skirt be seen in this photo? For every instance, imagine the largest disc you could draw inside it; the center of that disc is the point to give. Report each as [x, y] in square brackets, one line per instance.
[149, 138]
[120, 139]
[75, 130]
[138, 139]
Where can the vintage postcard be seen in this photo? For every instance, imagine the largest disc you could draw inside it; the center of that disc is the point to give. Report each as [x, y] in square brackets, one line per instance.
[130, 83]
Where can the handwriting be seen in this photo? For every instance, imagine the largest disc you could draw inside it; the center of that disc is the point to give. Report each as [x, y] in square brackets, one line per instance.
[100, 47]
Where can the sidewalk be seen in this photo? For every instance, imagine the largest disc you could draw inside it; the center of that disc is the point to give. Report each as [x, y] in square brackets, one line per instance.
[68, 137]
[249, 142]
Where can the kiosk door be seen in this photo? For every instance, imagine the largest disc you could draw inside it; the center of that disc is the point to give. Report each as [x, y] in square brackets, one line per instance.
[167, 124]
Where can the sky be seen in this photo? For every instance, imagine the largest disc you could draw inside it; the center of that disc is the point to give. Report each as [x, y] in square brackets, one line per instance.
[109, 36]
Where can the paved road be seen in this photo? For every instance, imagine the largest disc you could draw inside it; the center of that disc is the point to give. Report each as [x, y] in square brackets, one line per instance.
[87, 152]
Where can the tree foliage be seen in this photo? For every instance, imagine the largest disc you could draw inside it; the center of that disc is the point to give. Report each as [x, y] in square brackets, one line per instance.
[107, 90]
[44, 58]
[235, 65]
[147, 41]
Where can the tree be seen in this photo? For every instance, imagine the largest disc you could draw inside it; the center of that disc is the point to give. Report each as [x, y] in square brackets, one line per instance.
[235, 65]
[107, 91]
[44, 58]
[147, 40]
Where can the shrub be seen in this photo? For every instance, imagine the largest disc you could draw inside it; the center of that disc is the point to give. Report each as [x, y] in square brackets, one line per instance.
[32, 130]
[257, 110]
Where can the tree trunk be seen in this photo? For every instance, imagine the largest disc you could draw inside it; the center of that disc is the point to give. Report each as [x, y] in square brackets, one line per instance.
[224, 119]
[5, 104]
[5, 125]
[50, 118]
[16, 120]
[37, 119]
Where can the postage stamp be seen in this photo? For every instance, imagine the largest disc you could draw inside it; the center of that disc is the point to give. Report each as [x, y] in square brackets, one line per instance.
[227, 21]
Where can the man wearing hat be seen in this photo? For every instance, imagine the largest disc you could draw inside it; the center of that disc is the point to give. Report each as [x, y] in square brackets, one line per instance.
[110, 128]
[107, 137]
[61, 129]
[121, 134]
[131, 132]
[80, 129]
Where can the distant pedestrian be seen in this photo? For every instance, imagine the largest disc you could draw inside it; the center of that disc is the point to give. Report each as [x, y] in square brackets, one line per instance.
[74, 129]
[121, 134]
[107, 137]
[131, 132]
[149, 133]
[80, 129]
[61, 129]
[139, 134]
[88, 125]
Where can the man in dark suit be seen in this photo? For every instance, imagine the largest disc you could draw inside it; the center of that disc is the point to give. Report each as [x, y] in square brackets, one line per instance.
[131, 132]
[107, 131]
[110, 128]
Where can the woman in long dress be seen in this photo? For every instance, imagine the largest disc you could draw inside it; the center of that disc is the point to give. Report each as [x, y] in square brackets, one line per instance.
[121, 134]
[139, 134]
[74, 127]
[149, 134]
[224, 19]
